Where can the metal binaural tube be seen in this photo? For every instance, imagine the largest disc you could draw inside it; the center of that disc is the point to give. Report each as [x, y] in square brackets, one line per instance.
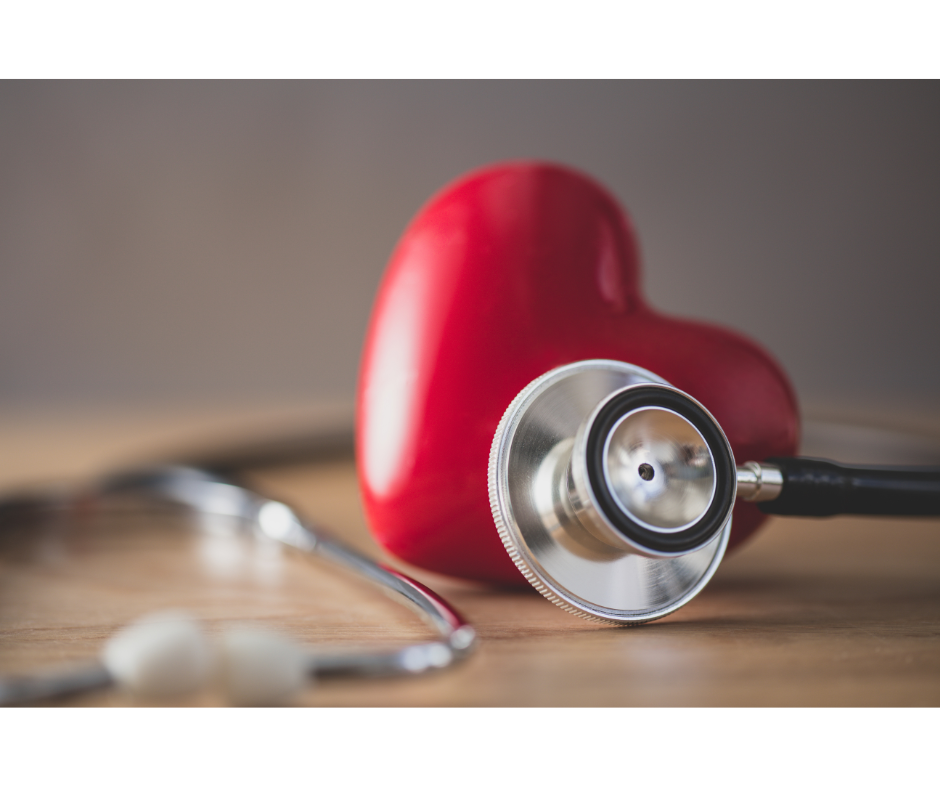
[209, 493]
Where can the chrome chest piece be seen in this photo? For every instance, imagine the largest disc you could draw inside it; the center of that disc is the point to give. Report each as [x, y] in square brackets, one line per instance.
[612, 491]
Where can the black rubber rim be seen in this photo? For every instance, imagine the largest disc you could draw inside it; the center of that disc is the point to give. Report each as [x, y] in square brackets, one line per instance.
[653, 396]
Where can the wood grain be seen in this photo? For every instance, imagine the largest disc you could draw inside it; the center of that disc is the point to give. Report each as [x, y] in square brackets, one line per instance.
[842, 612]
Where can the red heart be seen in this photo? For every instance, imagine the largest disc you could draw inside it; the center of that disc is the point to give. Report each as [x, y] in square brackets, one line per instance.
[510, 272]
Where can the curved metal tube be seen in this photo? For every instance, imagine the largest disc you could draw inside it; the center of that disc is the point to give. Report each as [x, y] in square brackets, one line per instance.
[209, 493]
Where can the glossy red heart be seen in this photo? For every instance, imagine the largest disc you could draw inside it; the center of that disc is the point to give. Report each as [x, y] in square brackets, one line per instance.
[507, 273]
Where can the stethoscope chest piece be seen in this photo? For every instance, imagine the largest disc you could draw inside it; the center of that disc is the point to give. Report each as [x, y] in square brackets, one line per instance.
[611, 490]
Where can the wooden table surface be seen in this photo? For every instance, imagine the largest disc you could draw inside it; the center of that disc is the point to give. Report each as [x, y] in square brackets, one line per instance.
[840, 612]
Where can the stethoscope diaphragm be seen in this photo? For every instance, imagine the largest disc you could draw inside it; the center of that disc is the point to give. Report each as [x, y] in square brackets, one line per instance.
[611, 490]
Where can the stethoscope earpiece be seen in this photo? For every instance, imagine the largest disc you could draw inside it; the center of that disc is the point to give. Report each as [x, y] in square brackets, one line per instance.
[160, 655]
[167, 654]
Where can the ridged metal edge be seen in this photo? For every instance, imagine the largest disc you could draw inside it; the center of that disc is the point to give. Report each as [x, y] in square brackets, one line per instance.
[503, 530]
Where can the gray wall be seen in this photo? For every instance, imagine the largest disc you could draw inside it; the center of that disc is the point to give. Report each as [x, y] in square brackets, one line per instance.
[223, 241]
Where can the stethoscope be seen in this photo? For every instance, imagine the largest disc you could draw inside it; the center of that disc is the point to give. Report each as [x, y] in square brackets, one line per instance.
[167, 654]
[611, 490]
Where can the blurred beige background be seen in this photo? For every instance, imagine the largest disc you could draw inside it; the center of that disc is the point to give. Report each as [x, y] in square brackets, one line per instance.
[183, 245]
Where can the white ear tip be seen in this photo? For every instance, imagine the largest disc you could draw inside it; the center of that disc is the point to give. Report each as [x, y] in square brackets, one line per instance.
[163, 653]
[261, 668]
